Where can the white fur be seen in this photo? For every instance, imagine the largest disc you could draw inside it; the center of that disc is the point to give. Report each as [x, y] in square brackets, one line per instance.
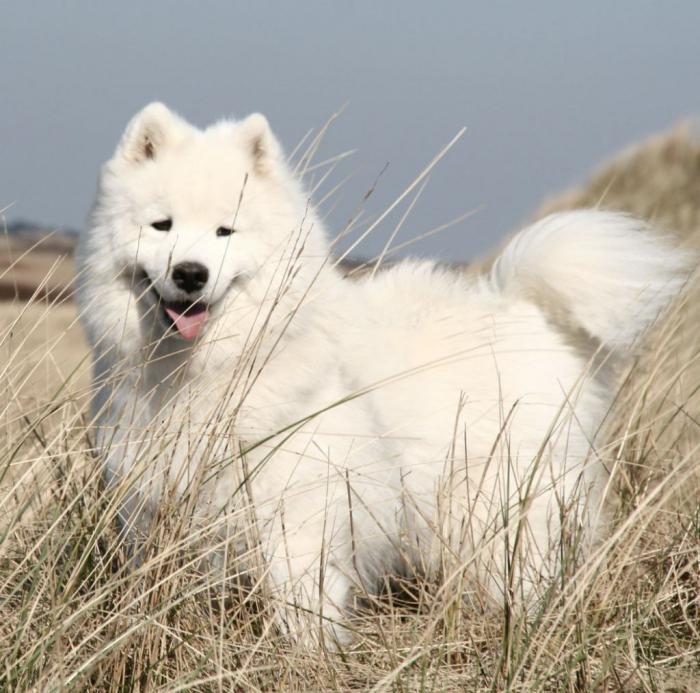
[367, 426]
[612, 272]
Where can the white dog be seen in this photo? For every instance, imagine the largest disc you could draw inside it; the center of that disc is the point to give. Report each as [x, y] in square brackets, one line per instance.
[363, 427]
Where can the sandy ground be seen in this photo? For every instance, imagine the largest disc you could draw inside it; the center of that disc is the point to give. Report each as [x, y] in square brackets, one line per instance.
[42, 345]
[44, 387]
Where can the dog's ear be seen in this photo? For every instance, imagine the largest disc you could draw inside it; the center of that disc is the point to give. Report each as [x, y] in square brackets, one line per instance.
[262, 146]
[149, 131]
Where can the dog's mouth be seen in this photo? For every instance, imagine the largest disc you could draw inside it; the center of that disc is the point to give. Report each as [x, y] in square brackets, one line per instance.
[187, 318]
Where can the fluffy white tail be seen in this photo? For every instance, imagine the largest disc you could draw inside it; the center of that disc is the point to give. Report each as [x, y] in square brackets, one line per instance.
[608, 273]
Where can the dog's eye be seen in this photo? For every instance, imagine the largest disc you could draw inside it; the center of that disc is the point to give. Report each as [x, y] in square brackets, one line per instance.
[224, 231]
[164, 225]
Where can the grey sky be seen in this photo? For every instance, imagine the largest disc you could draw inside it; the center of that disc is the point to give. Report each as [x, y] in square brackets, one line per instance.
[547, 90]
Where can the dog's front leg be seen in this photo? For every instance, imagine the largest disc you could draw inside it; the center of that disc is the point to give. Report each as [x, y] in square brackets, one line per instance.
[311, 578]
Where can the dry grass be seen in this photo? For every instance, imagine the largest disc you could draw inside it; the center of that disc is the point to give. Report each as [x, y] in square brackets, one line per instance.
[659, 181]
[77, 614]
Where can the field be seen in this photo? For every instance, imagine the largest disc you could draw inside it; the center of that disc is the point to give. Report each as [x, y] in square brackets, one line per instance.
[76, 613]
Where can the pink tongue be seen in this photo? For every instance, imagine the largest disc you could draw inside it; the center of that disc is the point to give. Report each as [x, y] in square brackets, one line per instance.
[188, 325]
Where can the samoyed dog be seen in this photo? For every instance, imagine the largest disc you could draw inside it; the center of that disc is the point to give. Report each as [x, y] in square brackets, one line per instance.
[349, 430]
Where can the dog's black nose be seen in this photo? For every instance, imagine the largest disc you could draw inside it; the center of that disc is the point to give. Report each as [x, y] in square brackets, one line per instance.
[190, 276]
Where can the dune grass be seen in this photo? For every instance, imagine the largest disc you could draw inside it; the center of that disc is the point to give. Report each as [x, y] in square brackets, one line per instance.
[77, 611]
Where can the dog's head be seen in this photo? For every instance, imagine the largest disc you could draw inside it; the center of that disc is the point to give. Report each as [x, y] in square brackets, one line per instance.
[193, 213]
